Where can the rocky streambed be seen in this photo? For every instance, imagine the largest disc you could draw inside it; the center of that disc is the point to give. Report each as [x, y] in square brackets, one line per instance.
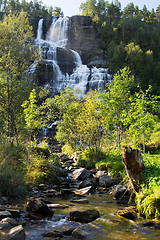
[85, 204]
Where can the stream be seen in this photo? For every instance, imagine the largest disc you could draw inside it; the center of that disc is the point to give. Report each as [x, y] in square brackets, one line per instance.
[115, 226]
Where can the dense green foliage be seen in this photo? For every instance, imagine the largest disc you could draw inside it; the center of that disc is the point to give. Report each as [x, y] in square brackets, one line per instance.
[148, 200]
[16, 55]
[130, 38]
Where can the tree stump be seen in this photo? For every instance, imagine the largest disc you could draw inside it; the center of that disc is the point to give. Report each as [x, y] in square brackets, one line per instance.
[134, 165]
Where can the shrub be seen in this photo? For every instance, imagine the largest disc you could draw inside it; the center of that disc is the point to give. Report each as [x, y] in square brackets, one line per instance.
[12, 169]
[40, 170]
[12, 185]
[67, 149]
[40, 151]
[112, 163]
[89, 157]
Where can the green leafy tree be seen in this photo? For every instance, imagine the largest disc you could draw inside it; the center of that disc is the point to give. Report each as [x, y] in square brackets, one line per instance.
[67, 129]
[88, 8]
[139, 117]
[129, 10]
[89, 122]
[116, 102]
[16, 55]
[58, 12]
[32, 116]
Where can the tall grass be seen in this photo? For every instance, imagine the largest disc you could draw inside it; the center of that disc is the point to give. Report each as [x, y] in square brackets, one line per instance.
[148, 200]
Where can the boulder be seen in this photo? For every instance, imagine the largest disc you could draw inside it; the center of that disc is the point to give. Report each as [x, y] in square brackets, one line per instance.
[84, 191]
[34, 205]
[85, 183]
[17, 233]
[4, 214]
[107, 181]
[68, 228]
[14, 212]
[8, 223]
[129, 213]
[12, 221]
[84, 216]
[5, 226]
[90, 230]
[80, 174]
[121, 192]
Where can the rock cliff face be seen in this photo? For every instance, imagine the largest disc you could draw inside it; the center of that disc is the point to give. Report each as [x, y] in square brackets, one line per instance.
[84, 38]
[72, 54]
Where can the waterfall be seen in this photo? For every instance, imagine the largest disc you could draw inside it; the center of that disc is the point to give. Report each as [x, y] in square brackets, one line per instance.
[64, 66]
[39, 30]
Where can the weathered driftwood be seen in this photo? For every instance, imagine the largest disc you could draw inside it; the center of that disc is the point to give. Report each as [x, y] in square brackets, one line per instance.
[134, 166]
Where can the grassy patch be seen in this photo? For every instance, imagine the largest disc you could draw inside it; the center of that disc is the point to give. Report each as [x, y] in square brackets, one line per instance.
[148, 200]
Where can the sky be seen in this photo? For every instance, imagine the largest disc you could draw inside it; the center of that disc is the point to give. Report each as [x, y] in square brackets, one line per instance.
[71, 7]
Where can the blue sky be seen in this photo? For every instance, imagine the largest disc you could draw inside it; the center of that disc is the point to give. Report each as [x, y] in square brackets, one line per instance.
[71, 7]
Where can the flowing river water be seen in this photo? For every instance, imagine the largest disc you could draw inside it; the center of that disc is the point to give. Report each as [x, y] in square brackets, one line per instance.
[115, 227]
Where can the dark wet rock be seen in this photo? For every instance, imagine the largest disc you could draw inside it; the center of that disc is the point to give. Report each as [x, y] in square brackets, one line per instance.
[4, 214]
[14, 212]
[151, 224]
[8, 223]
[34, 205]
[33, 216]
[107, 181]
[148, 224]
[85, 183]
[5, 226]
[84, 216]
[90, 230]
[122, 192]
[60, 172]
[118, 191]
[12, 221]
[54, 234]
[129, 213]
[68, 228]
[80, 174]
[17, 233]
[81, 201]
[66, 192]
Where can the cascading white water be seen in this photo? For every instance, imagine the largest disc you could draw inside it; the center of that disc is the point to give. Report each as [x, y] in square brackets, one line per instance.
[39, 30]
[81, 76]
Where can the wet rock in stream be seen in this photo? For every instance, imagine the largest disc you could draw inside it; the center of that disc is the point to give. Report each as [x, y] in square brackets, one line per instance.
[90, 230]
[84, 216]
[80, 174]
[34, 205]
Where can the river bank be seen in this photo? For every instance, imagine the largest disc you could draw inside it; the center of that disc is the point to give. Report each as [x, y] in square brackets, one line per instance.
[79, 190]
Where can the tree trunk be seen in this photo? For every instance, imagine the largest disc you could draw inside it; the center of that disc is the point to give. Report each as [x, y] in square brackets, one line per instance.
[143, 142]
[134, 165]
